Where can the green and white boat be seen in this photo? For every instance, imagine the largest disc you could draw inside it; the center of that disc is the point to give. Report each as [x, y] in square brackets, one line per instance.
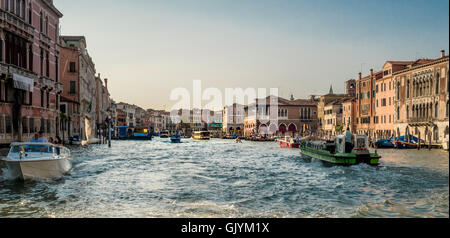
[334, 151]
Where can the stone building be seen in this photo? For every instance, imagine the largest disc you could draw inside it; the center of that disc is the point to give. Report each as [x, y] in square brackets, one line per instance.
[350, 92]
[233, 120]
[366, 103]
[70, 97]
[383, 117]
[333, 118]
[348, 114]
[422, 100]
[29, 80]
[280, 117]
[86, 85]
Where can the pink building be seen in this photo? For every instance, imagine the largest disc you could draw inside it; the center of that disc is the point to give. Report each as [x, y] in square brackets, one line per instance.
[29, 83]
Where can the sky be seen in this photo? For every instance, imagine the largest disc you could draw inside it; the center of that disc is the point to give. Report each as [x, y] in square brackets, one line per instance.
[147, 48]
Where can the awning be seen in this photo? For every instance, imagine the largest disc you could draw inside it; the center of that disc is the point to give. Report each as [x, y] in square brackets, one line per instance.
[23, 83]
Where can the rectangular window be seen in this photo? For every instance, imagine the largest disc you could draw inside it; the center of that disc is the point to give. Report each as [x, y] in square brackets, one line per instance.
[42, 98]
[57, 69]
[72, 67]
[49, 126]
[42, 128]
[47, 64]
[32, 129]
[2, 128]
[24, 125]
[72, 89]
[48, 99]
[383, 102]
[8, 125]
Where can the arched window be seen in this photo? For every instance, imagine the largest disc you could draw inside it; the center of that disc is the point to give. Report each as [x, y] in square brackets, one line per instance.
[436, 110]
[41, 22]
[46, 25]
[437, 83]
[398, 90]
[407, 90]
[407, 112]
[398, 113]
[30, 14]
[447, 109]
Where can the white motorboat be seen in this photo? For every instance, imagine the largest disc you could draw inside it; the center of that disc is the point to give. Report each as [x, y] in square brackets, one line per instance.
[37, 161]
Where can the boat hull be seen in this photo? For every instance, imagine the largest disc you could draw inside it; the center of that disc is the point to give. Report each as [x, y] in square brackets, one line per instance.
[38, 170]
[284, 144]
[346, 159]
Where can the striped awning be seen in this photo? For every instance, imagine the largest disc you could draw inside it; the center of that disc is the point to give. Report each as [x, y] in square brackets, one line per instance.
[23, 83]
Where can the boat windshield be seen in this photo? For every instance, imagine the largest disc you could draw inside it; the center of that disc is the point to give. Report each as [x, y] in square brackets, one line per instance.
[140, 130]
[204, 133]
[361, 143]
[32, 148]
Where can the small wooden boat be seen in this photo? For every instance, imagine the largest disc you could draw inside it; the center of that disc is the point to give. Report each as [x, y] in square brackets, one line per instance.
[201, 135]
[175, 139]
[288, 142]
[334, 151]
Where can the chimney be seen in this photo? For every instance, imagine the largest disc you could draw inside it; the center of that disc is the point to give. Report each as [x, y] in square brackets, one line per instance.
[442, 53]
[359, 76]
[371, 72]
[106, 83]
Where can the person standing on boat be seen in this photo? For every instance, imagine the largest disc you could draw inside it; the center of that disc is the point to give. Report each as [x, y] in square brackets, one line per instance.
[35, 138]
[348, 141]
[42, 138]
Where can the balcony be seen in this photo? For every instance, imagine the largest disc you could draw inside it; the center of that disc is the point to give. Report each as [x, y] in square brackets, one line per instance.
[17, 22]
[59, 87]
[416, 120]
[46, 83]
[45, 39]
[12, 69]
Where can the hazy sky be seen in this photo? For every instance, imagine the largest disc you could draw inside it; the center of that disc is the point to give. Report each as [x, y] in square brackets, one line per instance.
[147, 48]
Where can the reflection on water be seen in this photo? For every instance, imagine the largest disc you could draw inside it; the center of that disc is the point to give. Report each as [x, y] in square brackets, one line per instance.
[219, 178]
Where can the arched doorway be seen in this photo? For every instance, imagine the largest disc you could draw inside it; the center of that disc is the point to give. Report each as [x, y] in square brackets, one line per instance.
[263, 129]
[273, 129]
[292, 129]
[282, 129]
[436, 134]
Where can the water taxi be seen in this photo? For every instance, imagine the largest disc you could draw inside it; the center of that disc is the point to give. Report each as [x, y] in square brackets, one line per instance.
[141, 133]
[288, 142]
[164, 134]
[334, 151]
[175, 139]
[37, 161]
[201, 135]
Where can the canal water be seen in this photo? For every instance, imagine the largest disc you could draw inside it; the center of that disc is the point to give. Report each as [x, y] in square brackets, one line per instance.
[220, 178]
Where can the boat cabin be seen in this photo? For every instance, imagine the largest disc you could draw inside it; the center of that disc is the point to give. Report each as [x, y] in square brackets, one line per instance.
[36, 151]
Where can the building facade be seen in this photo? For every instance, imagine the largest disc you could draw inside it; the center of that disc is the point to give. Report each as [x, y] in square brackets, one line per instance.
[280, 117]
[29, 79]
[233, 120]
[333, 118]
[422, 100]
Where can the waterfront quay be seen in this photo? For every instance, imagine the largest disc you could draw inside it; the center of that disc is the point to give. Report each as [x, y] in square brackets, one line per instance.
[220, 178]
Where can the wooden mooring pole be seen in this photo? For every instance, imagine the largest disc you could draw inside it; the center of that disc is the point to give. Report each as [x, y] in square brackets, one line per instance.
[420, 142]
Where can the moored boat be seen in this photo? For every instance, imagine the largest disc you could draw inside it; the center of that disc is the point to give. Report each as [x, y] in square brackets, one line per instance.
[201, 135]
[288, 142]
[37, 161]
[175, 139]
[334, 151]
[164, 134]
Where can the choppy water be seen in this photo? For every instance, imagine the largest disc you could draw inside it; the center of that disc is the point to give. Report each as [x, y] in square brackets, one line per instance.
[222, 179]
